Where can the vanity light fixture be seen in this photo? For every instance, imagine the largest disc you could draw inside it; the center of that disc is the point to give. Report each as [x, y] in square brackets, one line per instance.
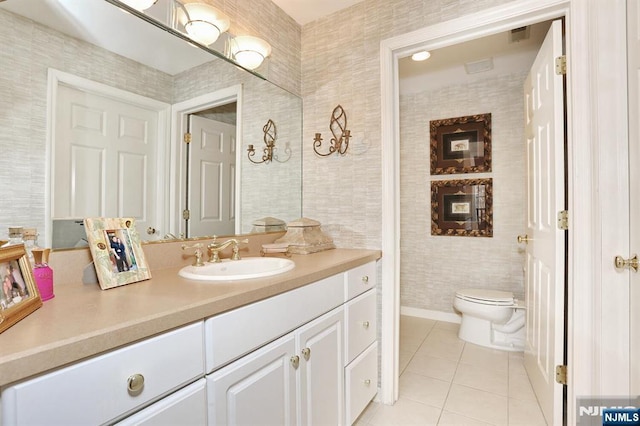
[249, 51]
[421, 56]
[202, 22]
[140, 5]
[341, 136]
[268, 153]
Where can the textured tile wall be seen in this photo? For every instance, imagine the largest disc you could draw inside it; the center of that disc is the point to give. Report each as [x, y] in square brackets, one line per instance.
[434, 267]
[340, 65]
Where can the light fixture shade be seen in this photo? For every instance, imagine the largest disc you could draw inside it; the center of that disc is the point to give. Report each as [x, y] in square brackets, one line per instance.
[249, 51]
[421, 56]
[203, 23]
[140, 5]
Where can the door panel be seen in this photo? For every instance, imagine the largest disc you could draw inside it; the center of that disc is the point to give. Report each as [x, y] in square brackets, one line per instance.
[211, 191]
[106, 159]
[544, 274]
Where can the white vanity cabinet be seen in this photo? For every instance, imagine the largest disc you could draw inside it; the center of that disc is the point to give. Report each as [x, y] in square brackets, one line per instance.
[304, 377]
[109, 386]
[297, 379]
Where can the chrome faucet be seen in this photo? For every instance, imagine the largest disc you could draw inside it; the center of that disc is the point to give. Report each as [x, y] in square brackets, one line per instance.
[215, 247]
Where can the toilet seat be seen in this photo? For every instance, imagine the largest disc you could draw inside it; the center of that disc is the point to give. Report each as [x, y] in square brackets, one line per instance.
[486, 297]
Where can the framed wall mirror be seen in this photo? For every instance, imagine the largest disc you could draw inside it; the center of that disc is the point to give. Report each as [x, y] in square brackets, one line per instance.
[51, 48]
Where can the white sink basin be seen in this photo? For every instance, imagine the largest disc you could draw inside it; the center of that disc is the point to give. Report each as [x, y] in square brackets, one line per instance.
[248, 267]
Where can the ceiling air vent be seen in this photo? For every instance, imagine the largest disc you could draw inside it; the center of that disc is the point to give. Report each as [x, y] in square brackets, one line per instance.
[519, 34]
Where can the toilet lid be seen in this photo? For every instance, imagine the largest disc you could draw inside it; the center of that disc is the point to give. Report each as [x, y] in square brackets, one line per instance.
[494, 297]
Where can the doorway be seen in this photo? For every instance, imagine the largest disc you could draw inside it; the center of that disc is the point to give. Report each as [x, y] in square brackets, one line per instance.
[218, 105]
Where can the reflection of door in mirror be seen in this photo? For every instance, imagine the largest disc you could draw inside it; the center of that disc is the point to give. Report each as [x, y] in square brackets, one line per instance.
[105, 162]
[211, 174]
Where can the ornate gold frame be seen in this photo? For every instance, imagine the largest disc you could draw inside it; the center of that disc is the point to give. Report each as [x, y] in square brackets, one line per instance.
[16, 258]
[462, 207]
[461, 144]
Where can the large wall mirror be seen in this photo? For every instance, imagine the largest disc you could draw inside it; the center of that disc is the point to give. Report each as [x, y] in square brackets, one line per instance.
[63, 52]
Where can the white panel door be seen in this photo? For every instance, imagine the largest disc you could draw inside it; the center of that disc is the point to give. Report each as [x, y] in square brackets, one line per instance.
[544, 267]
[211, 181]
[259, 389]
[634, 169]
[105, 159]
[320, 348]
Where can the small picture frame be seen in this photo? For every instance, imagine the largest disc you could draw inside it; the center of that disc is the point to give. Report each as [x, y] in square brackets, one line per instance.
[461, 145]
[462, 207]
[116, 250]
[19, 295]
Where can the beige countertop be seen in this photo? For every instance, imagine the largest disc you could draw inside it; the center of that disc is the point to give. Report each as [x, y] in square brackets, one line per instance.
[83, 321]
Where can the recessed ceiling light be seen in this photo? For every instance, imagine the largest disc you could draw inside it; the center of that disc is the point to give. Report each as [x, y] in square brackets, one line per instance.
[421, 56]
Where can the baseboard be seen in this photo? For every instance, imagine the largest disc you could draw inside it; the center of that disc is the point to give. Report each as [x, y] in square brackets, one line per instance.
[430, 314]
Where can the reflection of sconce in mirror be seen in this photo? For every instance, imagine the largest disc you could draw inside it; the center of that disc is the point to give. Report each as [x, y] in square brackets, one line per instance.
[341, 136]
[268, 153]
[249, 51]
[202, 22]
[140, 5]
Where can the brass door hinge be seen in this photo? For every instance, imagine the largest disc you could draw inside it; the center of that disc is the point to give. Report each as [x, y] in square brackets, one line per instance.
[561, 374]
[186, 214]
[187, 138]
[561, 65]
[563, 220]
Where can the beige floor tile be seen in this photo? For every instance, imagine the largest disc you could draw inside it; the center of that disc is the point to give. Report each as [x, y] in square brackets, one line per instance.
[437, 368]
[520, 387]
[485, 379]
[525, 413]
[367, 414]
[425, 390]
[405, 413]
[516, 366]
[476, 404]
[410, 344]
[405, 358]
[450, 326]
[453, 419]
[485, 357]
[439, 349]
[416, 325]
[443, 336]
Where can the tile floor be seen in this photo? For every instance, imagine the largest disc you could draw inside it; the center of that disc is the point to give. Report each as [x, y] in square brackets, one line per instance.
[446, 381]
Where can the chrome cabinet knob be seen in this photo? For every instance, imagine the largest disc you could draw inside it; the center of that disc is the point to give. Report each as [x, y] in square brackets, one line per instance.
[365, 279]
[365, 324]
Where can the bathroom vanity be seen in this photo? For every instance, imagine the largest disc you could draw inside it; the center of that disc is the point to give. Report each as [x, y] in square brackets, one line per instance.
[297, 348]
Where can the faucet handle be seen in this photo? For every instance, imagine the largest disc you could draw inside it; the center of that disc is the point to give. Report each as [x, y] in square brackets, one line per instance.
[236, 254]
[198, 252]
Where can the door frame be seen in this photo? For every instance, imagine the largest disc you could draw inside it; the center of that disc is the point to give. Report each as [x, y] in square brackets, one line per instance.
[179, 114]
[55, 78]
[597, 155]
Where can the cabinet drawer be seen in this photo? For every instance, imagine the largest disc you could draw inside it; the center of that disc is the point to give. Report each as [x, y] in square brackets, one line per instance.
[96, 391]
[360, 316]
[361, 379]
[235, 333]
[360, 279]
[186, 407]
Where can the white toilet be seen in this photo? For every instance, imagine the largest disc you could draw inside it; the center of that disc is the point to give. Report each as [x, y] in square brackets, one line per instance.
[490, 318]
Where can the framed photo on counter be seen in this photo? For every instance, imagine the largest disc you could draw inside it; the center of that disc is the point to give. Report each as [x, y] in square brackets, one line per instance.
[116, 250]
[19, 296]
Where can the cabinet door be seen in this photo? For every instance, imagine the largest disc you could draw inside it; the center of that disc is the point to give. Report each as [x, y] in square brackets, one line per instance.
[259, 389]
[320, 348]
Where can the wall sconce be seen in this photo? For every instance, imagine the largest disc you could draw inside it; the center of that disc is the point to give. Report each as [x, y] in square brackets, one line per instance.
[249, 51]
[341, 136]
[140, 5]
[270, 136]
[202, 22]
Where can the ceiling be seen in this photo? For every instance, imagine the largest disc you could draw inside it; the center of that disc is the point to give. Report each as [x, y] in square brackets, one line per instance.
[305, 11]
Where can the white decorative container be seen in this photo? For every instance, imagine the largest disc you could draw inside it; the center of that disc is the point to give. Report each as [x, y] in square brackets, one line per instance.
[304, 236]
